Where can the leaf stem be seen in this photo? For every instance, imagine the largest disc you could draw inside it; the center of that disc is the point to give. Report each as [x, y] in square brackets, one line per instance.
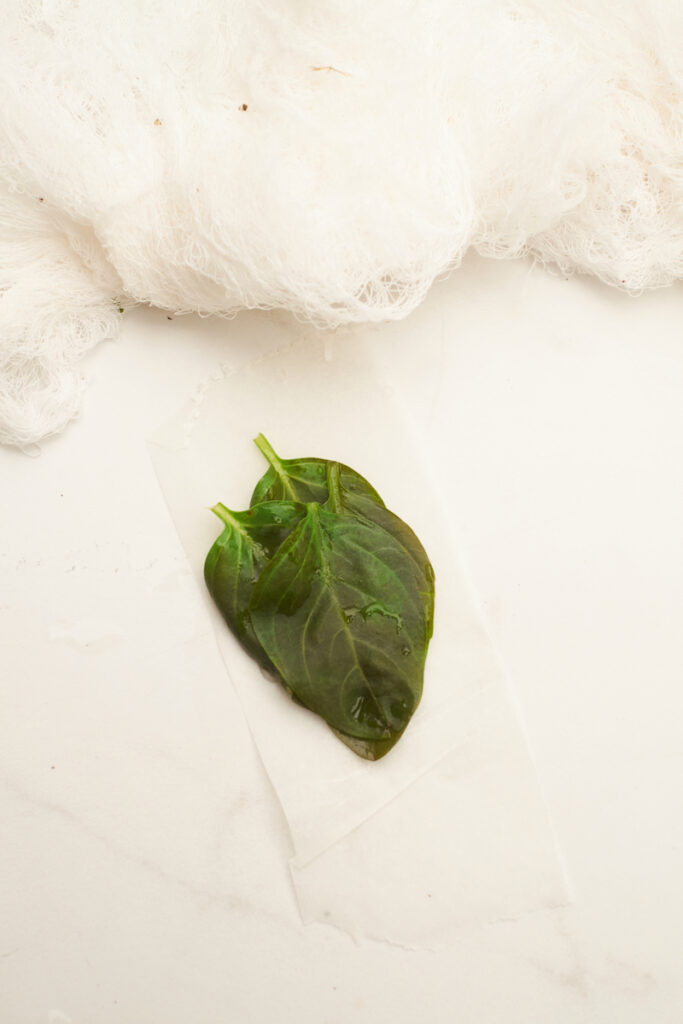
[276, 465]
[223, 513]
[267, 451]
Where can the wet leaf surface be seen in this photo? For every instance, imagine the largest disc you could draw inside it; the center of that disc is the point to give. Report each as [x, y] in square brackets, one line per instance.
[332, 593]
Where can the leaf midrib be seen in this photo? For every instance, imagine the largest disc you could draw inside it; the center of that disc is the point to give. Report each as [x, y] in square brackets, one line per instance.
[328, 578]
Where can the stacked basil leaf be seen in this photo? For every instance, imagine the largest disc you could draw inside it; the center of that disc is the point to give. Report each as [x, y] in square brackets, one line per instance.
[331, 593]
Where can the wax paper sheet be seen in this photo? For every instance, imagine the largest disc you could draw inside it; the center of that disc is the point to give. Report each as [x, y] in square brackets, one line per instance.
[449, 830]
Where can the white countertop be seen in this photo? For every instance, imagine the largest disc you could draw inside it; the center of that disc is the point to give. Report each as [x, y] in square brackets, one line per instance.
[143, 867]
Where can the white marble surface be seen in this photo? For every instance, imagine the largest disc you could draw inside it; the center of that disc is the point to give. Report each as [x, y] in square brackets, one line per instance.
[143, 863]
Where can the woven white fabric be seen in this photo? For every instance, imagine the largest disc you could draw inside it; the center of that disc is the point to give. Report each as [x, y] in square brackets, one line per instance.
[329, 158]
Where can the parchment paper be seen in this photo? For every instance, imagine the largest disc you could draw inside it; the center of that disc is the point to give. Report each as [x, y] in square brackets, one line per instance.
[449, 830]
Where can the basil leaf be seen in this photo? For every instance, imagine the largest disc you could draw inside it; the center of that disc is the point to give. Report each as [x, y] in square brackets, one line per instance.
[270, 554]
[234, 562]
[304, 479]
[344, 613]
[341, 499]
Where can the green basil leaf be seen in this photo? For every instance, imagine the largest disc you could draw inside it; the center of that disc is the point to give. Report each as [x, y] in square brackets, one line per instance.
[252, 541]
[344, 613]
[342, 500]
[304, 479]
[247, 543]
